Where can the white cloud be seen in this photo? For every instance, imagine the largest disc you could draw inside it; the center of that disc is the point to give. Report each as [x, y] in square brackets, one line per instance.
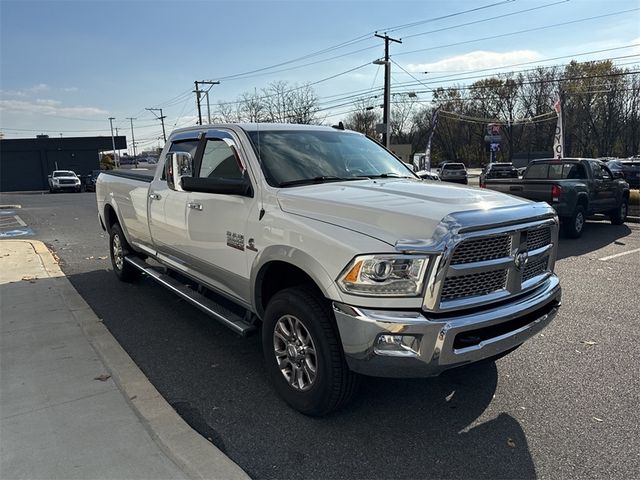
[476, 60]
[70, 89]
[48, 107]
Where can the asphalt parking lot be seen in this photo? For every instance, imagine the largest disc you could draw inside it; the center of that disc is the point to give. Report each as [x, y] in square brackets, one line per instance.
[564, 405]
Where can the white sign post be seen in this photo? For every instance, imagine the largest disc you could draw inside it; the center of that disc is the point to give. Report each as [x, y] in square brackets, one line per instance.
[558, 139]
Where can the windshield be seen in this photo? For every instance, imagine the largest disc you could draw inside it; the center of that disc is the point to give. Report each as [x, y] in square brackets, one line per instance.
[296, 157]
[64, 173]
[453, 166]
[556, 171]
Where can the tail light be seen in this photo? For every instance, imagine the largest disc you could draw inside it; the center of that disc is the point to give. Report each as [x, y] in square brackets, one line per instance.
[556, 190]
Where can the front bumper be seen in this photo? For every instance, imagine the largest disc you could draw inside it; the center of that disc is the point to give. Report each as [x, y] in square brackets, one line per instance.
[444, 342]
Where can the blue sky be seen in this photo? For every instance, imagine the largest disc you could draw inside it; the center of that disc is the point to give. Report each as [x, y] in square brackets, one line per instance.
[67, 66]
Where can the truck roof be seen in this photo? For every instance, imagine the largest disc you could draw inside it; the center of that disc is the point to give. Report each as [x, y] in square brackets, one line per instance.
[255, 127]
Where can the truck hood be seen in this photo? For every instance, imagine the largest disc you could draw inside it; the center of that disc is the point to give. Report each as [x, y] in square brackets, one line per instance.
[389, 210]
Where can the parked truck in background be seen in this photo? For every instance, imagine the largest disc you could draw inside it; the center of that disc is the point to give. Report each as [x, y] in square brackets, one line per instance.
[575, 187]
[339, 254]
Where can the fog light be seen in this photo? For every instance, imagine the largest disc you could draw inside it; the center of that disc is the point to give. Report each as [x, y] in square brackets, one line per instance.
[397, 345]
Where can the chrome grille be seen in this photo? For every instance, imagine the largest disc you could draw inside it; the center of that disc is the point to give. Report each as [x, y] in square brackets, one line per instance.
[474, 284]
[64, 181]
[481, 249]
[540, 237]
[535, 268]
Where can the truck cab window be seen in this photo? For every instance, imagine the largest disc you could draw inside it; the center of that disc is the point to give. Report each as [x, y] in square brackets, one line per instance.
[219, 160]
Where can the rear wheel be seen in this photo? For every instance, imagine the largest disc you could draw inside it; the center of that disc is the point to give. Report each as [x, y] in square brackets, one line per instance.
[574, 225]
[619, 215]
[119, 249]
[303, 355]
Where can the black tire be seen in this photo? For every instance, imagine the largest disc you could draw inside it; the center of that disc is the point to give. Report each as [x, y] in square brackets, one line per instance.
[619, 215]
[574, 225]
[123, 270]
[334, 384]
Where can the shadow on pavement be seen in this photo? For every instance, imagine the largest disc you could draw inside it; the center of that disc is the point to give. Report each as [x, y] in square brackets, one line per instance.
[426, 428]
[596, 234]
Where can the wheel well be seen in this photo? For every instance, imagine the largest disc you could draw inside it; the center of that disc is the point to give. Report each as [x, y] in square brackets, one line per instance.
[276, 276]
[110, 217]
[582, 200]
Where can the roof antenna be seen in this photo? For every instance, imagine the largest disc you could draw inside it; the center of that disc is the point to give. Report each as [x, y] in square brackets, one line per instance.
[339, 126]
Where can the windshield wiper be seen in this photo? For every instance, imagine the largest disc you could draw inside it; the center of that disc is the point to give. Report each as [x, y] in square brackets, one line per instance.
[390, 175]
[320, 179]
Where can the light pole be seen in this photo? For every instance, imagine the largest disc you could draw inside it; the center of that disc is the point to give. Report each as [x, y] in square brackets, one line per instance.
[133, 142]
[113, 142]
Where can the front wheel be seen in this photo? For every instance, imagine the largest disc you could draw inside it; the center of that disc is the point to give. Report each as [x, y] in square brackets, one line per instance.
[619, 215]
[303, 354]
[119, 249]
[574, 225]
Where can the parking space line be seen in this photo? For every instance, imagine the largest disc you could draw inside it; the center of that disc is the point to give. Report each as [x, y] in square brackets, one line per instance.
[604, 259]
[20, 221]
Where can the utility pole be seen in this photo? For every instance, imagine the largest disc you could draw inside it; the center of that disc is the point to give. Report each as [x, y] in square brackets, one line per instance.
[208, 108]
[197, 91]
[113, 142]
[386, 116]
[133, 142]
[161, 118]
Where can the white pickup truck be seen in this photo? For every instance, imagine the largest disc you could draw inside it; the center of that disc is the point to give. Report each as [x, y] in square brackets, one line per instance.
[348, 262]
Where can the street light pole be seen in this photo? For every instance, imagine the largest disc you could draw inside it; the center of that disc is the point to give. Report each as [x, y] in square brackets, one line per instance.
[113, 142]
[133, 142]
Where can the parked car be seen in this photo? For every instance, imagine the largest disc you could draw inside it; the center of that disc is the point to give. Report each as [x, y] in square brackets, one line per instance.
[343, 270]
[428, 175]
[498, 170]
[614, 165]
[61, 180]
[631, 170]
[453, 172]
[574, 187]
[90, 181]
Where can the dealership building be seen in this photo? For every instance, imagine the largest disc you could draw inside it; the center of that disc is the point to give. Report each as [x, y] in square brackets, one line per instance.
[26, 163]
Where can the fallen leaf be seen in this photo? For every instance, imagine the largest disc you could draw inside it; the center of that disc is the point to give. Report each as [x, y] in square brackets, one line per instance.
[133, 397]
[102, 258]
[450, 396]
[588, 342]
[103, 377]
[511, 443]
[523, 408]
[598, 419]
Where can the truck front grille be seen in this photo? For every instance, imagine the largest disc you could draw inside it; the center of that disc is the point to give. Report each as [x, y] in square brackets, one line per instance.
[533, 269]
[63, 181]
[538, 238]
[485, 268]
[474, 284]
[481, 249]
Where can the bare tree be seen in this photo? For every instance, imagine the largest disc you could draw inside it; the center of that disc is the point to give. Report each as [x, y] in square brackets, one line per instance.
[364, 118]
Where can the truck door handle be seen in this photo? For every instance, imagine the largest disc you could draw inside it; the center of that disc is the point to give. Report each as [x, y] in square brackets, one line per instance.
[195, 206]
[154, 196]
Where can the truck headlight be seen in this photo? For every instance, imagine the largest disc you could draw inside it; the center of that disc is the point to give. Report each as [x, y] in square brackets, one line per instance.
[385, 275]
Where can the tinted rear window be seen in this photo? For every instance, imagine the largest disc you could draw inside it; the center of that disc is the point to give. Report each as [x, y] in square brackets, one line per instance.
[555, 171]
[453, 166]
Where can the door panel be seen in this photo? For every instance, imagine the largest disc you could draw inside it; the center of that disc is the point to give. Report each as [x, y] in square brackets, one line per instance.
[217, 223]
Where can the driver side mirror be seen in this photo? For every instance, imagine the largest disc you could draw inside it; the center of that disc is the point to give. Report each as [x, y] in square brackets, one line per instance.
[178, 165]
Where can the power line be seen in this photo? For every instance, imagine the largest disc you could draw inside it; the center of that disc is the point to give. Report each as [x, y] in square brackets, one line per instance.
[475, 22]
[519, 32]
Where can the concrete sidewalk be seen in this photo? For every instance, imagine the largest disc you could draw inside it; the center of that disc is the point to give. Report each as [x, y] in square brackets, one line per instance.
[72, 402]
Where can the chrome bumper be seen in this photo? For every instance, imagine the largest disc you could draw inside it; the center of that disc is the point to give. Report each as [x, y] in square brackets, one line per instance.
[443, 342]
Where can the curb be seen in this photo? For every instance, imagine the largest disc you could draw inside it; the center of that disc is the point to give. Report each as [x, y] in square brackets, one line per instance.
[198, 458]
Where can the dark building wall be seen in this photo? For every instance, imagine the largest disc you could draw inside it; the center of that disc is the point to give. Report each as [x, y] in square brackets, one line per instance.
[26, 163]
